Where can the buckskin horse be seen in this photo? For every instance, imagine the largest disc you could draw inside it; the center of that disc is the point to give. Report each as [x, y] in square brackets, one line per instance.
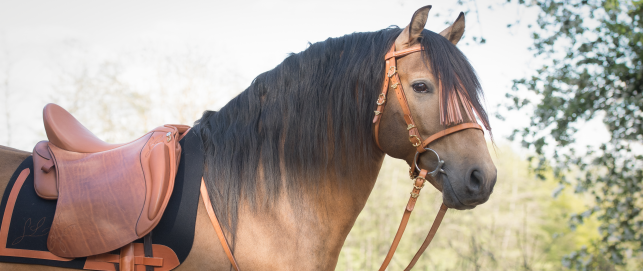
[290, 162]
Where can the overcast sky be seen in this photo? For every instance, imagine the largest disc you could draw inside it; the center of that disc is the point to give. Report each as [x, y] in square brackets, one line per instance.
[250, 37]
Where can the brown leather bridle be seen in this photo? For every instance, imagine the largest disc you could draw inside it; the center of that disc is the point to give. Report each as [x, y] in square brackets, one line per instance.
[392, 80]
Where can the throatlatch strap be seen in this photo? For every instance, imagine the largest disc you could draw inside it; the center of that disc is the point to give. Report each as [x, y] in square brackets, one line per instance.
[217, 226]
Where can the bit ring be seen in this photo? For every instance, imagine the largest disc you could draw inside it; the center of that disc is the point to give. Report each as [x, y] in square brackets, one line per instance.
[437, 169]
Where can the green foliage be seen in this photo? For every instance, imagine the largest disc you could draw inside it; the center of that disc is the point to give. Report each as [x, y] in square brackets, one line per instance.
[593, 58]
[520, 228]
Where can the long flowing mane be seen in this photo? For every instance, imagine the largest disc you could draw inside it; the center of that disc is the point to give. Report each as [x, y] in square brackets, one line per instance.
[311, 113]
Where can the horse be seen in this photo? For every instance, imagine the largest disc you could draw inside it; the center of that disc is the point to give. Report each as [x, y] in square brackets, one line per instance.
[290, 162]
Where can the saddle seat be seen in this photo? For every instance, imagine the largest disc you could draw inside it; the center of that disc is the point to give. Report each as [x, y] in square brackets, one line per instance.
[108, 194]
[64, 131]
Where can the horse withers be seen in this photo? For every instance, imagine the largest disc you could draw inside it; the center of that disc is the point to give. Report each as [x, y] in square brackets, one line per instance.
[291, 161]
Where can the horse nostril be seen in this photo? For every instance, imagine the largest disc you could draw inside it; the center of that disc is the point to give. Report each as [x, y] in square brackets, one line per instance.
[475, 180]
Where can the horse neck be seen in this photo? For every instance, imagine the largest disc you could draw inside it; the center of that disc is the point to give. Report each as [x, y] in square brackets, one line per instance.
[313, 222]
[345, 197]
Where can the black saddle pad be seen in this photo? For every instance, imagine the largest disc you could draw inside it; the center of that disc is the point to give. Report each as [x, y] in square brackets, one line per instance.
[32, 216]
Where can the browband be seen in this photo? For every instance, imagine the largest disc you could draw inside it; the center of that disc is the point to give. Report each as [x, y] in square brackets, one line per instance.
[402, 53]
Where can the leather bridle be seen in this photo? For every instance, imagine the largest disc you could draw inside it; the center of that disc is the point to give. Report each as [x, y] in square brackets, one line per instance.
[392, 80]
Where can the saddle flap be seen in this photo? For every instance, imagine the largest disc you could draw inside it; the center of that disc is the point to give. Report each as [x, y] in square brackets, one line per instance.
[160, 169]
[44, 172]
[160, 161]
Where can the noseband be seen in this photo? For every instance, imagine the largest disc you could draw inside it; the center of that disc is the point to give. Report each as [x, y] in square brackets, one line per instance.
[392, 80]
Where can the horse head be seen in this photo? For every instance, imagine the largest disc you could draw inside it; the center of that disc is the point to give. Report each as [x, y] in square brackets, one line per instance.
[442, 91]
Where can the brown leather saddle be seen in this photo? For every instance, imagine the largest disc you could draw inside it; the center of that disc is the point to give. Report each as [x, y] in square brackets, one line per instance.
[108, 194]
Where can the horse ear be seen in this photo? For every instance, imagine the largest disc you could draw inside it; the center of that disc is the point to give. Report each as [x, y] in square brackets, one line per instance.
[413, 31]
[455, 31]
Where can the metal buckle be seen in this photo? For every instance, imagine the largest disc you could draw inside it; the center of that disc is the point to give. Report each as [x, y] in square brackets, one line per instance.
[419, 141]
[419, 187]
[394, 86]
[391, 71]
[412, 173]
[437, 169]
[383, 97]
[169, 136]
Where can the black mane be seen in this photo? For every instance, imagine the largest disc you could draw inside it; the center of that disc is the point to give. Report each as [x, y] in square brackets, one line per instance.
[312, 112]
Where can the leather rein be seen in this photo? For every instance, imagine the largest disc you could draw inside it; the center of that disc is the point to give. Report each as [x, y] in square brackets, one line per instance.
[391, 80]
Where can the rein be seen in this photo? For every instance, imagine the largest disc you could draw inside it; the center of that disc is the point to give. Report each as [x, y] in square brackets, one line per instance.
[392, 80]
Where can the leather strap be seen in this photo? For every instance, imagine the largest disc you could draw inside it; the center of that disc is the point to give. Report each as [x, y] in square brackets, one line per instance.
[47, 166]
[148, 250]
[417, 186]
[429, 237]
[392, 79]
[414, 134]
[448, 131]
[127, 260]
[217, 226]
[402, 53]
[381, 99]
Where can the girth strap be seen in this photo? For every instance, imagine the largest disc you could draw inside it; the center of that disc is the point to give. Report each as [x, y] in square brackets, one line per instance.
[148, 250]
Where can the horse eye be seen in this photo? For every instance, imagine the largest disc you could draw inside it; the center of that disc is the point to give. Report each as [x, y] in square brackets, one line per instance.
[420, 87]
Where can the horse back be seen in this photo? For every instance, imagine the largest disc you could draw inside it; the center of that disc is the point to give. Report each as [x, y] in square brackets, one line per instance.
[10, 159]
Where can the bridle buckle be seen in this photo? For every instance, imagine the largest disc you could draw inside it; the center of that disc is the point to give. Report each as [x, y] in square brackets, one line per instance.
[382, 98]
[391, 71]
[415, 144]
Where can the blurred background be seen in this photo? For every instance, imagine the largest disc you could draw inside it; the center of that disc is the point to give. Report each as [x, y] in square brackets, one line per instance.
[562, 81]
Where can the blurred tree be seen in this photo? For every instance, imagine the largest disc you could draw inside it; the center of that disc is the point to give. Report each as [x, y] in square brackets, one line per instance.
[592, 52]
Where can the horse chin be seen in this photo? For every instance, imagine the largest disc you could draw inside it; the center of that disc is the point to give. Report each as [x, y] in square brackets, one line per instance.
[450, 198]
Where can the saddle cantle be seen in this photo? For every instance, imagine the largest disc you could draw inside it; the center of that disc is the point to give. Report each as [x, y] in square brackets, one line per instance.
[108, 194]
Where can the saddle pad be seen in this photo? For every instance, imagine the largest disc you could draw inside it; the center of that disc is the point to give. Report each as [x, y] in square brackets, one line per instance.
[24, 239]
